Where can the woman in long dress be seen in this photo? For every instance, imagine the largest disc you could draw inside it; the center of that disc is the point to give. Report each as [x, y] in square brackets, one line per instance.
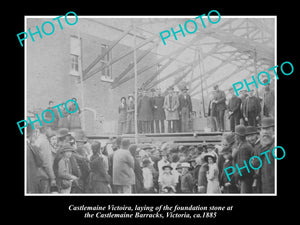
[212, 174]
[130, 115]
[122, 116]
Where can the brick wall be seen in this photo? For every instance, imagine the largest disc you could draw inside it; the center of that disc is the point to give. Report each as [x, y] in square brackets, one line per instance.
[48, 76]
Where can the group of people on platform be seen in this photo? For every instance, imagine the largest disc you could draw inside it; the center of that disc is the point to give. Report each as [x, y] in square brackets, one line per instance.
[59, 161]
[153, 109]
[247, 109]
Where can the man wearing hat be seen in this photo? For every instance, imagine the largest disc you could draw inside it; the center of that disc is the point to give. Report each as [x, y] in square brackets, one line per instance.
[171, 104]
[159, 112]
[234, 105]
[185, 109]
[267, 143]
[219, 100]
[186, 180]
[145, 111]
[252, 136]
[242, 152]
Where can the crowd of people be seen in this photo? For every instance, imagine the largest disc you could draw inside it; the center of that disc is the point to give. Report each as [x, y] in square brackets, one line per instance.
[60, 161]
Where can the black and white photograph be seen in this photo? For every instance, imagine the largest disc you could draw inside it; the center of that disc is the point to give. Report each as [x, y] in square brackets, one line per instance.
[150, 105]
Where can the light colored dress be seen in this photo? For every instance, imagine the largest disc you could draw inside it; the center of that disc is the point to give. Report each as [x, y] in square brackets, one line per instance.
[212, 179]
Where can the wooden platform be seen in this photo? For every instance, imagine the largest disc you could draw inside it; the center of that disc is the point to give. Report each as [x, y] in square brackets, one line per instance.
[191, 138]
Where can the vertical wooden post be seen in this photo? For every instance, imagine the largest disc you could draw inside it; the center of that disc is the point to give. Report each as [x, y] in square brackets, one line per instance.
[135, 86]
[81, 84]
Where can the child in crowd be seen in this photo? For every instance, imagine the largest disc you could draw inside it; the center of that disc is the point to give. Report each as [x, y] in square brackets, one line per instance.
[187, 183]
[148, 176]
[65, 176]
[226, 185]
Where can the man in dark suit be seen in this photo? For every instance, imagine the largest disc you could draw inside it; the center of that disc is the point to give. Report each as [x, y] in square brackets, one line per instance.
[241, 155]
[234, 105]
[159, 112]
[252, 109]
[220, 99]
[185, 109]
[146, 112]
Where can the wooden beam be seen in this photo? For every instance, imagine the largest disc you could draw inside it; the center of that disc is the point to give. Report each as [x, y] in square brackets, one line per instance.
[120, 57]
[183, 76]
[172, 74]
[152, 77]
[150, 65]
[224, 78]
[99, 57]
[206, 75]
[131, 64]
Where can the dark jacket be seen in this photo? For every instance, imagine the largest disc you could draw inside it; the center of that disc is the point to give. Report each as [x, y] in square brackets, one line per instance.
[244, 152]
[252, 104]
[202, 180]
[139, 180]
[185, 102]
[187, 184]
[158, 108]
[220, 98]
[267, 170]
[224, 179]
[145, 108]
[234, 105]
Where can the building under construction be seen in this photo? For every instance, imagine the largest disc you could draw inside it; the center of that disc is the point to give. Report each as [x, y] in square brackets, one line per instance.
[102, 59]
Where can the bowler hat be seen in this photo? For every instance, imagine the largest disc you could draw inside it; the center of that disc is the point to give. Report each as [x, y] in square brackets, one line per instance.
[240, 130]
[62, 132]
[251, 130]
[267, 122]
[66, 148]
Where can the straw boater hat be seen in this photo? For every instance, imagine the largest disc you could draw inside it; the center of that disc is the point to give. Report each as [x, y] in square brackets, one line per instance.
[184, 165]
[167, 166]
